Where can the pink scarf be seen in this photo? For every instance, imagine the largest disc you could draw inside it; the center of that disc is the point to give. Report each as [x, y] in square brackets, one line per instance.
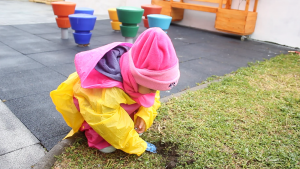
[130, 85]
[85, 63]
[151, 62]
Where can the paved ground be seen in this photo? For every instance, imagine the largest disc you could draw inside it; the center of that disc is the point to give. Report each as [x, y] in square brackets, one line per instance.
[16, 12]
[34, 61]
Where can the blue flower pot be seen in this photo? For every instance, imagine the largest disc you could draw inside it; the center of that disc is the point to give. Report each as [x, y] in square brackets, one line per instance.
[84, 10]
[158, 20]
[82, 24]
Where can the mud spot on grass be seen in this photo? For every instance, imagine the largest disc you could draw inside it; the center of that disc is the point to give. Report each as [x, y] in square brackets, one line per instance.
[168, 151]
[189, 162]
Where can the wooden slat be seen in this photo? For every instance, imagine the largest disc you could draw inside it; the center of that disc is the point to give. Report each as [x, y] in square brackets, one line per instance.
[250, 27]
[166, 6]
[233, 28]
[232, 14]
[231, 21]
[177, 14]
[211, 1]
[234, 24]
[228, 4]
[220, 4]
[194, 7]
[255, 5]
[247, 5]
[48, 2]
[251, 17]
[40, 1]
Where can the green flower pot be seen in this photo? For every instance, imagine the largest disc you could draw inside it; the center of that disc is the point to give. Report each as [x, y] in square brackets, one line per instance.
[129, 31]
[130, 15]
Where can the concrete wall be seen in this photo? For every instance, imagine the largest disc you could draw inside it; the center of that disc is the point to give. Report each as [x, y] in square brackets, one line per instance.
[278, 21]
[101, 7]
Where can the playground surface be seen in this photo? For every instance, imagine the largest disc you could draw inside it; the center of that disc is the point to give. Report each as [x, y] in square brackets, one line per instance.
[34, 60]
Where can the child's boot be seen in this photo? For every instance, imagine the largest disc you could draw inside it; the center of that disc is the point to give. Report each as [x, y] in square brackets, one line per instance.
[108, 149]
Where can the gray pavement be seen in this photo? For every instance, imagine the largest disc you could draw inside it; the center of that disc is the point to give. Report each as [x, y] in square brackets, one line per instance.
[19, 148]
[17, 12]
[34, 60]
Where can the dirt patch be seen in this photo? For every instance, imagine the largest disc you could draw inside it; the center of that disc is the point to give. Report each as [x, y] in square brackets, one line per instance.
[190, 161]
[168, 151]
[185, 164]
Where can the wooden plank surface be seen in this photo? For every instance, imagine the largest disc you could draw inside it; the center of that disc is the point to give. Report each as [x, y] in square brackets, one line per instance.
[194, 7]
[228, 4]
[228, 27]
[251, 22]
[175, 13]
[233, 14]
[231, 21]
[255, 6]
[247, 5]
[166, 6]
[211, 1]
[48, 2]
[40, 1]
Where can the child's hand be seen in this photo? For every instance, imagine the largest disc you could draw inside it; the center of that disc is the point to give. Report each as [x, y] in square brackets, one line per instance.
[139, 125]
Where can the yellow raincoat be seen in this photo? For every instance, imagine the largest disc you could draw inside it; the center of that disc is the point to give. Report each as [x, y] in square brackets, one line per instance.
[100, 108]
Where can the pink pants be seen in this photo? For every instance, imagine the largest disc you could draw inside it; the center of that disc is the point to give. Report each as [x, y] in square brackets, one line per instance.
[94, 139]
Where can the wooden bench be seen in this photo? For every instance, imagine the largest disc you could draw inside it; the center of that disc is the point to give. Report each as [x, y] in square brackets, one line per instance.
[176, 9]
[241, 22]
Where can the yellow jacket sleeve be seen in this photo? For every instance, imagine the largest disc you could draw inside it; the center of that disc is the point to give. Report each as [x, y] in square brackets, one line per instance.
[62, 98]
[101, 109]
[149, 114]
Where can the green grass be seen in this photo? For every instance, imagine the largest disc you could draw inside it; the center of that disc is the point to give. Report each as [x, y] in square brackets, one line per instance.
[251, 119]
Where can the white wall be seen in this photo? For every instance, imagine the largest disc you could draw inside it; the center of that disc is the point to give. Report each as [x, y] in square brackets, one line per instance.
[137, 3]
[278, 21]
[101, 6]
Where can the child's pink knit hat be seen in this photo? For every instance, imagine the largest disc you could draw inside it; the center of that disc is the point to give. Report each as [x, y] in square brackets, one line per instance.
[153, 61]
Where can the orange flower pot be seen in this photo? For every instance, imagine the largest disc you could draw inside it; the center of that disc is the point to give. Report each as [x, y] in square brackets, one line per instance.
[150, 9]
[146, 24]
[63, 9]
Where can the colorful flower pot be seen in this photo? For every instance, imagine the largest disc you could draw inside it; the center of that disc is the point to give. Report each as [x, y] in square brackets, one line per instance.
[150, 9]
[115, 23]
[63, 9]
[158, 20]
[130, 17]
[146, 23]
[84, 10]
[82, 24]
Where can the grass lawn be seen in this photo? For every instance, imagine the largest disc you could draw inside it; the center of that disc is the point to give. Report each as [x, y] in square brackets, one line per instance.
[251, 119]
